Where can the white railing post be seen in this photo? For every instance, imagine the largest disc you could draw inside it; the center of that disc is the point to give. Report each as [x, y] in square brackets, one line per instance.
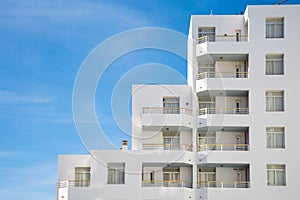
[222, 184]
[235, 184]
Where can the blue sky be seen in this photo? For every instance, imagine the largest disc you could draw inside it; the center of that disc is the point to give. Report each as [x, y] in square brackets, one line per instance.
[43, 44]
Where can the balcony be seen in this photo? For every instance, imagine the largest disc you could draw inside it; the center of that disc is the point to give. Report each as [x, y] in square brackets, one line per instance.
[166, 183]
[74, 183]
[223, 147]
[221, 44]
[223, 176]
[160, 110]
[149, 146]
[232, 102]
[160, 117]
[167, 175]
[223, 139]
[206, 75]
[208, 111]
[238, 111]
[222, 70]
[224, 184]
[222, 38]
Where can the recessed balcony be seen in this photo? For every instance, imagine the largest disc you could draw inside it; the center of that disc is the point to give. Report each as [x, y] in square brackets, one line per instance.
[167, 175]
[223, 102]
[224, 176]
[213, 66]
[169, 138]
[223, 139]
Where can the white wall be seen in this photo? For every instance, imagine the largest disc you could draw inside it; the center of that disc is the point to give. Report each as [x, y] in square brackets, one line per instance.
[230, 102]
[229, 137]
[186, 174]
[229, 66]
[142, 96]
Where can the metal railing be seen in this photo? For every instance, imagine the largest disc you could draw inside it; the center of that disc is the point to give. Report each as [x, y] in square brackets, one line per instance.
[205, 111]
[149, 146]
[160, 110]
[224, 184]
[74, 183]
[166, 183]
[223, 147]
[222, 38]
[205, 75]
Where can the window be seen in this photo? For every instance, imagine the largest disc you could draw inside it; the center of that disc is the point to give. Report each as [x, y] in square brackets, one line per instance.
[171, 177]
[171, 140]
[82, 176]
[210, 32]
[274, 101]
[274, 64]
[207, 177]
[206, 71]
[116, 173]
[276, 175]
[171, 105]
[207, 105]
[275, 137]
[274, 27]
[207, 141]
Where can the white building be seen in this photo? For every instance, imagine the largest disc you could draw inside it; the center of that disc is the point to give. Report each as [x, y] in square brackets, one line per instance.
[231, 133]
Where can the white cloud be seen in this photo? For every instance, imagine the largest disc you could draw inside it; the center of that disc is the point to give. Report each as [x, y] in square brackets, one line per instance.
[15, 97]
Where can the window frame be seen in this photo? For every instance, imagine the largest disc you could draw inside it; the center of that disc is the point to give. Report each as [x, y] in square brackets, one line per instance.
[116, 168]
[210, 32]
[274, 22]
[274, 109]
[275, 134]
[272, 63]
[171, 105]
[272, 168]
[82, 176]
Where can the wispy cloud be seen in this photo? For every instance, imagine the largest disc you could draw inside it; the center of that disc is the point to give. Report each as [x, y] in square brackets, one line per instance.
[6, 154]
[15, 97]
[75, 12]
[34, 181]
[32, 107]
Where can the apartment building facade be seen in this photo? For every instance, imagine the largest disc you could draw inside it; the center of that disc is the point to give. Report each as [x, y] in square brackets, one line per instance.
[230, 133]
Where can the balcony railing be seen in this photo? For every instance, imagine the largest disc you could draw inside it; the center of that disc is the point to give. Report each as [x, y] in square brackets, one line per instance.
[224, 184]
[206, 75]
[74, 183]
[222, 38]
[160, 110]
[205, 111]
[223, 147]
[166, 183]
[187, 147]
